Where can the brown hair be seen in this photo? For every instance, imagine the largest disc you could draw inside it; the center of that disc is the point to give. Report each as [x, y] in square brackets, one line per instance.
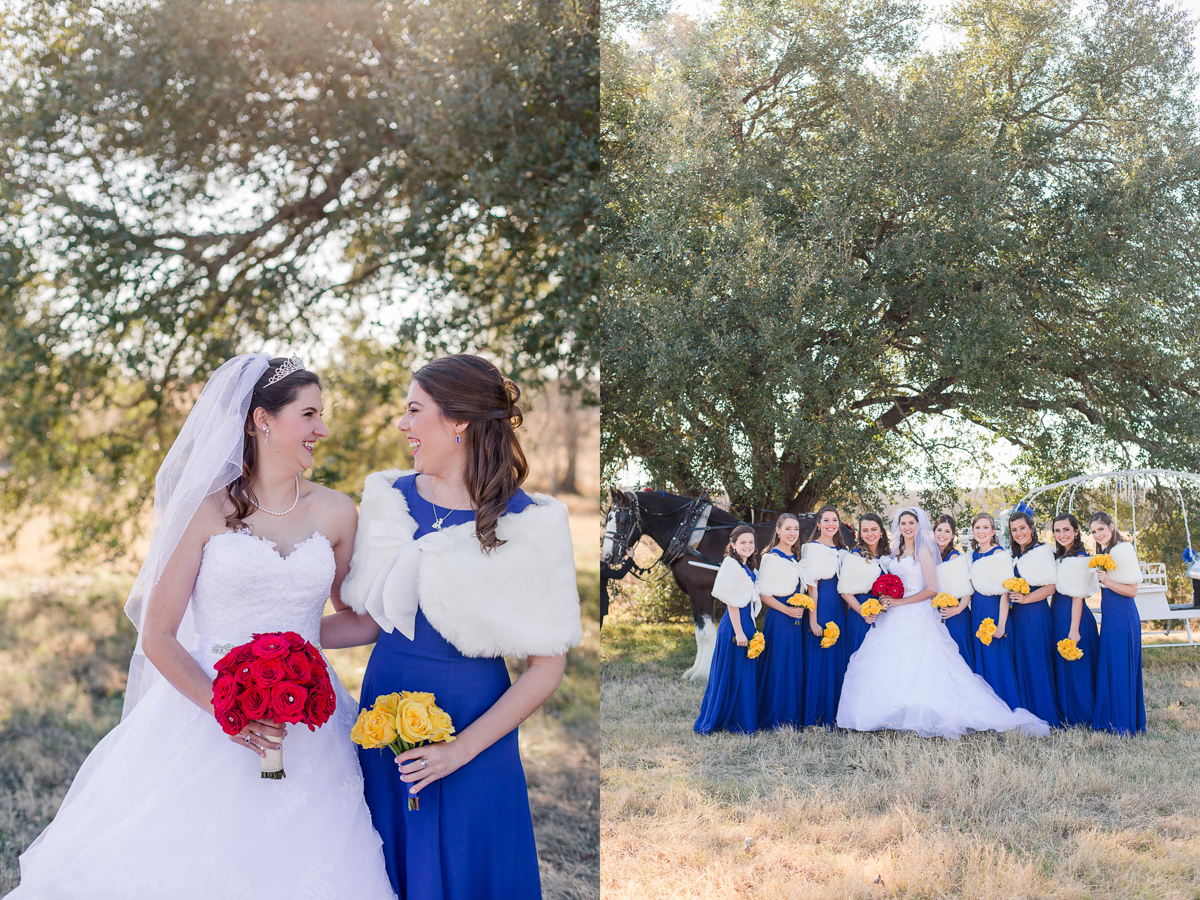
[838, 540]
[988, 516]
[737, 533]
[901, 544]
[774, 542]
[470, 389]
[1117, 537]
[1077, 547]
[949, 520]
[884, 545]
[272, 398]
[1028, 519]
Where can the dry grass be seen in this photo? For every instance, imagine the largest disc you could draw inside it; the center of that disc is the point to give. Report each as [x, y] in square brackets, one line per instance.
[64, 651]
[1076, 815]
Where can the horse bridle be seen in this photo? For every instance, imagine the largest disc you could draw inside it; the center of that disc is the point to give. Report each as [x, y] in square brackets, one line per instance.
[629, 520]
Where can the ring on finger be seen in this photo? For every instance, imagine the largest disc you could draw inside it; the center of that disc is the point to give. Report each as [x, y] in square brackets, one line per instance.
[424, 763]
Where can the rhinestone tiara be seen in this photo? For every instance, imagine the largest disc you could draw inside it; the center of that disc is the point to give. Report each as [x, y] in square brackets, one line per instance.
[292, 364]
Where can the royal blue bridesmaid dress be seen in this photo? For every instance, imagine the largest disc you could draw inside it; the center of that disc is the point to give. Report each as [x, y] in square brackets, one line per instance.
[825, 667]
[856, 626]
[1075, 680]
[994, 661]
[731, 697]
[960, 629]
[473, 834]
[1032, 627]
[781, 667]
[1120, 706]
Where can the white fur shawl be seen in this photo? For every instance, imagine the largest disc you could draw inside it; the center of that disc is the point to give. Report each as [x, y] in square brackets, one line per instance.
[734, 587]
[1037, 566]
[1075, 579]
[857, 574]
[954, 576]
[1128, 570]
[819, 561]
[519, 600]
[779, 577]
[988, 573]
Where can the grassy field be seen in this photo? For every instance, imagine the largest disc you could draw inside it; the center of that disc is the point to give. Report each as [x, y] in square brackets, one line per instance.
[837, 815]
[64, 650]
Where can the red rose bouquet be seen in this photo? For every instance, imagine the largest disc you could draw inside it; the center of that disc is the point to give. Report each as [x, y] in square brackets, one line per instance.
[277, 677]
[888, 586]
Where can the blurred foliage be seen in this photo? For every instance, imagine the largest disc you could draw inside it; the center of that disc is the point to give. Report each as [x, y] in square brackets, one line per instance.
[181, 181]
[821, 240]
[655, 601]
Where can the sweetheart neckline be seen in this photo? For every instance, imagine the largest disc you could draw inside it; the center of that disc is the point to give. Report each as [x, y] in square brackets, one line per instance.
[271, 545]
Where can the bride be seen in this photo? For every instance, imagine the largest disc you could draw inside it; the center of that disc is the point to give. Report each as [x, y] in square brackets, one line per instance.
[167, 805]
[908, 674]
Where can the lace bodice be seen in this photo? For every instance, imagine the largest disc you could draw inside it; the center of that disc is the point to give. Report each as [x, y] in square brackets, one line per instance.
[245, 587]
[909, 571]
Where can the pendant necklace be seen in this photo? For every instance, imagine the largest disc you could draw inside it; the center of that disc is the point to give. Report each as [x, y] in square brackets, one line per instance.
[437, 522]
[290, 508]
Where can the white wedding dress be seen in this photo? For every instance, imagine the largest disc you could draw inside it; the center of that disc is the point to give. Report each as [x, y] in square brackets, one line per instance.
[166, 806]
[908, 675]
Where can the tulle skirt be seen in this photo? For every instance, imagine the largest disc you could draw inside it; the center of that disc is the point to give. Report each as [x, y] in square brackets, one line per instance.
[908, 675]
[167, 806]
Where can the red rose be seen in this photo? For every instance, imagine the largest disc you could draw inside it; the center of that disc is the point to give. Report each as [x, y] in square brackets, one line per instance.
[244, 673]
[314, 656]
[224, 693]
[319, 708]
[232, 721]
[227, 663]
[268, 672]
[295, 642]
[270, 646]
[287, 702]
[299, 668]
[255, 700]
[888, 586]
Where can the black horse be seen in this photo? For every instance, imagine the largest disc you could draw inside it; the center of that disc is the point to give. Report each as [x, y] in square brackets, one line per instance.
[673, 522]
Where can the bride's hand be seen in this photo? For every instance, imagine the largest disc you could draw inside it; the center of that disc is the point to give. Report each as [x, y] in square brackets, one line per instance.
[423, 765]
[260, 734]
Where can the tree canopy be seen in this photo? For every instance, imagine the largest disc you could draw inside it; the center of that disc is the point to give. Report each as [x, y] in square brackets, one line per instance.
[821, 239]
[181, 181]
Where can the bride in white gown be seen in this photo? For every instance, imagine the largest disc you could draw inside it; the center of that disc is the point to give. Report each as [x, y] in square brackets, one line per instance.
[908, 674]
[166, 805]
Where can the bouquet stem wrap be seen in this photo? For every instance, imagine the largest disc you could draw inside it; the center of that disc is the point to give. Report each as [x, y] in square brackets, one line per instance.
[272, 763]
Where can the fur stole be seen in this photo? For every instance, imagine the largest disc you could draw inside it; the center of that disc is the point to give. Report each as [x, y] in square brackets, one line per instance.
[734, 587]
[1128, 570]
[989, 573]
[819, 561]
[779, 577]
[1075, 579]
[954, 576]
[857, 574]
[1037, 566]
[519, 600]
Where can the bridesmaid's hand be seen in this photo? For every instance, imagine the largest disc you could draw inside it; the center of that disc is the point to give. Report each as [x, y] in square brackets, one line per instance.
[260, 734]
[741, 640]
[999, 634]
[870, 620]
[1074, 635]
[817, 629]
[424, 765]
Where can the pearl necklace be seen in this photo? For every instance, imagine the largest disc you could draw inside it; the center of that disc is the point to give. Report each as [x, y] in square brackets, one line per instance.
[290, 508]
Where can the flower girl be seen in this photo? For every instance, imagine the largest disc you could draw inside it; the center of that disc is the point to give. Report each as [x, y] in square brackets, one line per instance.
[731, 698]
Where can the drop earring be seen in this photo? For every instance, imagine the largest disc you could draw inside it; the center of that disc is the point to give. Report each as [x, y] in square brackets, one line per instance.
[266, 434]
[457, 439]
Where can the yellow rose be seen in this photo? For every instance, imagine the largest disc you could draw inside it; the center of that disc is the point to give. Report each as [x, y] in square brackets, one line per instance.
[412, 720]
[388, 703]
[374, 728]
[802, 600]
[830, 636]
[1016, 585]
[423, 697]
[872, 608]
[987, 628]
[441, 723]
[756, 645]
[944, 601]
[1102, 561]
[1068, 650]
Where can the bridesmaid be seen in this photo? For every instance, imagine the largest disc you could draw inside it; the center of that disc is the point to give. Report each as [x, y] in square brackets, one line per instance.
[731, 697]
[1032, 622]
[954, 578]
[990, 567]
[1120, 706]
[460, 568]
[781, 673]
[1074, 680]
[857, 574]
[824, 667]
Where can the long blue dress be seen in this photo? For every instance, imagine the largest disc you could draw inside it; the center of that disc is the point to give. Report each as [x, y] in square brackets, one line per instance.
[1120, 706]
[825, 667]
[1075, 680]
[960, 629]
[856, 626]
[731, 698]
[781, 667]
[1032, 626]
[994, 661]
[473, 834]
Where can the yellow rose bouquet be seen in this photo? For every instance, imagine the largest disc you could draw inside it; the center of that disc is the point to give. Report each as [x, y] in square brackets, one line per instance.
[1102, 561]
[942, 601]
[872, 608]
[986, 629]
[1067, 650]
[400, 722]
[802, 600]
[757, 645]
[831, 635]
[1016, 585]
